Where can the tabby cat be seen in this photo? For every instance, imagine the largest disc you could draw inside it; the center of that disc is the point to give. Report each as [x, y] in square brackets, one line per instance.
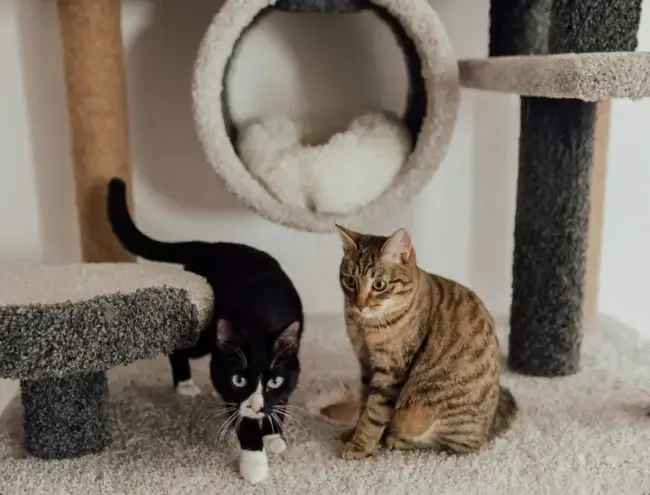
[429, 355]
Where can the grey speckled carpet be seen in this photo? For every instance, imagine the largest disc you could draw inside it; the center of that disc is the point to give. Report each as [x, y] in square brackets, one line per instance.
[584, 434]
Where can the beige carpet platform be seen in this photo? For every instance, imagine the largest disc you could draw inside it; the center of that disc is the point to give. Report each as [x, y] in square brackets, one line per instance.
[586, 434]
[585, 76]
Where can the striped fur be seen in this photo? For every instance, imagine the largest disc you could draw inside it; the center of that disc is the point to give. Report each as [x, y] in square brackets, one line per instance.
[428, 351]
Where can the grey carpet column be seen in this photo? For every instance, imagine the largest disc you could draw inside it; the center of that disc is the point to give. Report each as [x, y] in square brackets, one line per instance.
[556, 147]
[66, 417]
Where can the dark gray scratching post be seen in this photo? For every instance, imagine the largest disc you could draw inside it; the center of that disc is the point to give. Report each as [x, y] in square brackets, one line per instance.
[556, 148]
[66, 417]
[519, 27]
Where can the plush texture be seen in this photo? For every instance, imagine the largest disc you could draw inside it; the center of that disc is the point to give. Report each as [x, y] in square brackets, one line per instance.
[62, 326]
[58, 320]
[556, 153]
[588, 77]
[346, 172]
[519, 27]
[438, 68]
[66, 417]
[587, 433]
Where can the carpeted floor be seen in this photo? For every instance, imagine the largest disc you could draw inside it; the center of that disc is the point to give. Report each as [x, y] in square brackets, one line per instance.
[586, 434]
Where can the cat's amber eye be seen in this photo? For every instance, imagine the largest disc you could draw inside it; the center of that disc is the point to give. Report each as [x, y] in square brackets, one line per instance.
[379, 285]
[349, 282]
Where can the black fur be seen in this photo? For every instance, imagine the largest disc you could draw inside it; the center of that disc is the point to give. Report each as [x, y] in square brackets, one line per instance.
[255, 305]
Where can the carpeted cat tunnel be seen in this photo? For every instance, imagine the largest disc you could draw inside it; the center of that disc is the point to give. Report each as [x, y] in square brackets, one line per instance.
[561, 58]
[412, 147]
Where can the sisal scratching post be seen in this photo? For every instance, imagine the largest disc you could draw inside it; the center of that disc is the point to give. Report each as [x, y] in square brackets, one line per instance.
[556, 156]
[94, 72]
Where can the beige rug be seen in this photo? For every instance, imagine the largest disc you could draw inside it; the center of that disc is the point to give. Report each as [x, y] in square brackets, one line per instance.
[587, 434]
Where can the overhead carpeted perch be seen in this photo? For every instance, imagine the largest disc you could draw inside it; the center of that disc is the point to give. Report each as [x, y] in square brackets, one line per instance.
[588, 77]
[62, 327]
[556, 154]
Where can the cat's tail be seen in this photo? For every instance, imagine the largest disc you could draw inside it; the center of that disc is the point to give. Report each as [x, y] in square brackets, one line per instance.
[132, 238]
[506, 413]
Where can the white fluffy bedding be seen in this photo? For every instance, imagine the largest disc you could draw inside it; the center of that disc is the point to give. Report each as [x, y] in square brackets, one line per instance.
[346, 172]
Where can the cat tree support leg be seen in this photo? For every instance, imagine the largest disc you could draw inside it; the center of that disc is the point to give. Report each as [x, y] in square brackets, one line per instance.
[66, 417]
[556, 161]
[91, 38]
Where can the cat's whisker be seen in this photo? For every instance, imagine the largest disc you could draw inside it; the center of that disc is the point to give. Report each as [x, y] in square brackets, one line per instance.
[298, 423]
[227, 424]
[283, 429]
[238, 422]
[290, 416]
[279, 354]
[302, 410]
[221, 408]
[204, 419]
[218, 414]
[238, 353]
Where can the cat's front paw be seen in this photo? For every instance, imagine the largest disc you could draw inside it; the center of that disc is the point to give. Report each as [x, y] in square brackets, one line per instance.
[253, 465]
[274, 444]
[352, 452]
[188, 388]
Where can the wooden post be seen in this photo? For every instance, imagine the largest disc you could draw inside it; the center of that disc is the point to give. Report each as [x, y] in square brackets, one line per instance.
[590, 305]
[93, 60]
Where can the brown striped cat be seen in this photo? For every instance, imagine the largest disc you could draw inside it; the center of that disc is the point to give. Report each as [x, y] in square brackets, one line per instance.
[429, 354]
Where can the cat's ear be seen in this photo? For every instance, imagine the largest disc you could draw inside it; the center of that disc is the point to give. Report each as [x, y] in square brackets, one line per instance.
[349, 239]
[289, 338]
[398, 248]
[225, 333]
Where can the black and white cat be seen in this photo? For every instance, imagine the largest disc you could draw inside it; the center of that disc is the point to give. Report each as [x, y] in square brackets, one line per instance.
[254, 336]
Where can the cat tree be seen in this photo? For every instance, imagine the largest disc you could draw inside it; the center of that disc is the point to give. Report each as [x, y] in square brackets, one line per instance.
[561, 56]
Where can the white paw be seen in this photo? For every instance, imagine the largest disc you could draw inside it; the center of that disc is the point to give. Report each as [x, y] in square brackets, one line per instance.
[274, 444]
[188, 388]
[253, 465]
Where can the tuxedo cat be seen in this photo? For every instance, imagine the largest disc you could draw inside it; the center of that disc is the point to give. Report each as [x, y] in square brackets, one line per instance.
[254, 336]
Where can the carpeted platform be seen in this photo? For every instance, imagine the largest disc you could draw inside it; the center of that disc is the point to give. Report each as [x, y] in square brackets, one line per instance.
[584, 434]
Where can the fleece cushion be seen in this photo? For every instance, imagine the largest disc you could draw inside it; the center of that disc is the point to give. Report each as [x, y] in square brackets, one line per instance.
[346, 172]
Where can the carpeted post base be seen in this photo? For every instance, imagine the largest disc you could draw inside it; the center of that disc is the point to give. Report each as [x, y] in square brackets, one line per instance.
[556, 154]
[66, 417]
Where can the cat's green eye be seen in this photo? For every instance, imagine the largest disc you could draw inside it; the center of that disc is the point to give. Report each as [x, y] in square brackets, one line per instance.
[349, 282]
[379, 285]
